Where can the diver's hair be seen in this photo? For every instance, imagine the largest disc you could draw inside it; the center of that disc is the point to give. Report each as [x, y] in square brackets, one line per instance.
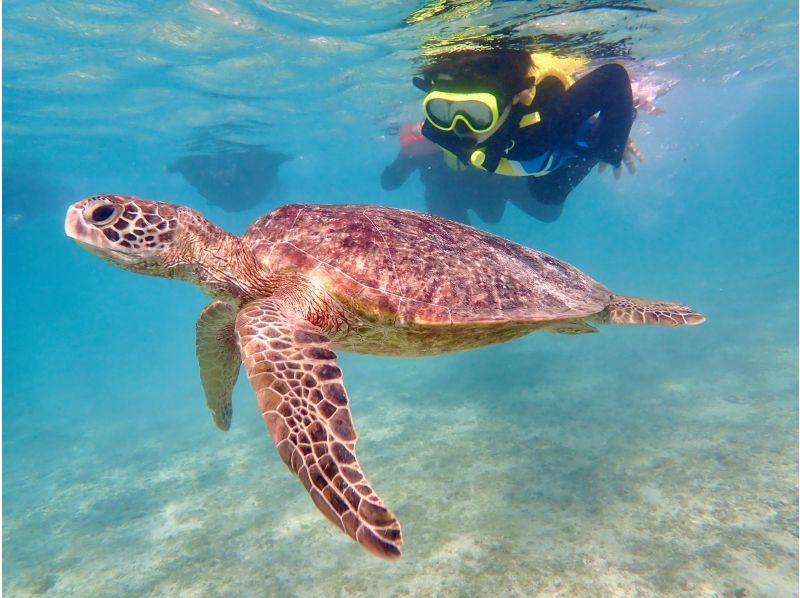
[503, 69]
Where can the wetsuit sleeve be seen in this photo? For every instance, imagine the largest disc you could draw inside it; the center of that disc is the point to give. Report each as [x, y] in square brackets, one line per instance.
[396, 173]
[553, 189]
[606, 91]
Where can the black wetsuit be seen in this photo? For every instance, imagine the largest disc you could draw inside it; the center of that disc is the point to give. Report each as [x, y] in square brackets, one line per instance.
[450, 193]
[584, 124]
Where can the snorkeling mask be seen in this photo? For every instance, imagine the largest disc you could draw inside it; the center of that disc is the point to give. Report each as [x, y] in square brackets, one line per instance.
[444, 109]
[478, 111]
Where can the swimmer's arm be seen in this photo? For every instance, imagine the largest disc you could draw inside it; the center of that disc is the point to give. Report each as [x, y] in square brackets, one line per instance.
[396, 173]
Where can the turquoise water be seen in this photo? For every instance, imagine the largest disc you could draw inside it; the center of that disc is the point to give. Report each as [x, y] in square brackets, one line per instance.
[638, 461]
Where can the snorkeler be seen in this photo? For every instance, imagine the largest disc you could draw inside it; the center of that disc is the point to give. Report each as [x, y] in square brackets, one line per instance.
[513, 113]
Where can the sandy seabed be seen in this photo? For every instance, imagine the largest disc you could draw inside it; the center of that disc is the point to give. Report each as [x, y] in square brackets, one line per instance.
[601, 476]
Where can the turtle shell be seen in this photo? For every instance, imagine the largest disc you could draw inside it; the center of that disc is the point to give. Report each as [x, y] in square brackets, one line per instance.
[415, 267]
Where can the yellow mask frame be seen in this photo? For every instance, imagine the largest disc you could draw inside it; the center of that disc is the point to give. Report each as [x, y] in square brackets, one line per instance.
[461, 107]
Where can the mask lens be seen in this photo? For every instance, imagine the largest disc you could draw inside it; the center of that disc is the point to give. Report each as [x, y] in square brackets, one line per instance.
[441, 112]
[478, 114]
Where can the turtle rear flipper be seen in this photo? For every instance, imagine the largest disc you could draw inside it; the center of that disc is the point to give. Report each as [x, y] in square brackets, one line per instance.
[638, 310]
[302, 398]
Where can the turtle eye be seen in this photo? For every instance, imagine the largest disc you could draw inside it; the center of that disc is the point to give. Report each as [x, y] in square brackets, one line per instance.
[103, 214]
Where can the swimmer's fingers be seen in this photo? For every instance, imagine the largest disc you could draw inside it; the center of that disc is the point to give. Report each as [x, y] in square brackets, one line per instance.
[603, 166]
[631, 149]
[629, 158]
[631, 155]
[630, 164]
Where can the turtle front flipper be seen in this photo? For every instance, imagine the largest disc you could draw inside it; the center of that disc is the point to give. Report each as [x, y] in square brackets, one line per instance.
[305, 406]
[219, 359]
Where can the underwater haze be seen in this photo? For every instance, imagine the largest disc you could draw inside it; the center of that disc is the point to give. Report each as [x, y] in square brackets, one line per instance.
[641, 461]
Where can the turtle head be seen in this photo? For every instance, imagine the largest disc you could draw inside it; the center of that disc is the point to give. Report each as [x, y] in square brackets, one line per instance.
[132, 233]
[163, 239]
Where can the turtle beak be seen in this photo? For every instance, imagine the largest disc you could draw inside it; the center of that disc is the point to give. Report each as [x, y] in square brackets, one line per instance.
[88, 237]
[73, 225]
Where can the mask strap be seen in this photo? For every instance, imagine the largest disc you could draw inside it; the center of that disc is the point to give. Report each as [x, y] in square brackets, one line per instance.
[421, 84]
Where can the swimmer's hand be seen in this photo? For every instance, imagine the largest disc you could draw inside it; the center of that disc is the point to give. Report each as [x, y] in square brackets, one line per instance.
[647, 90]
[413, 143]
[629, 157]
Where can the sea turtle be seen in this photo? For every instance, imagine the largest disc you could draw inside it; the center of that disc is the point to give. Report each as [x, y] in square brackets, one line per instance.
[306, 279]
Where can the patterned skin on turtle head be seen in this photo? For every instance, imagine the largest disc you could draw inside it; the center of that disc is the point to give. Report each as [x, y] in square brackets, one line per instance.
[163, 239]
[129, 232]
